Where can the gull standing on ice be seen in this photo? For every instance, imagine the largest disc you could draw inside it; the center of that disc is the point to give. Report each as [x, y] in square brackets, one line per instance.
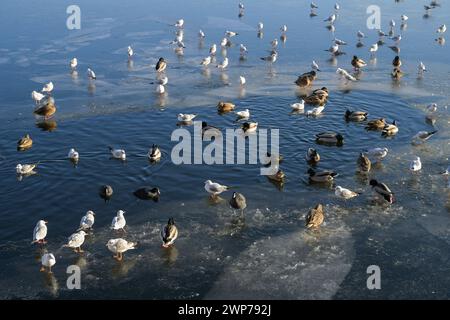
[48, 88]
[119, 222]
[75, 241]
[214, 188]
[91, 74]
[40, 232]
[87, 221]
[48, 260]
[119, 246]
[73, 63]
[37, 97]
[344, 193]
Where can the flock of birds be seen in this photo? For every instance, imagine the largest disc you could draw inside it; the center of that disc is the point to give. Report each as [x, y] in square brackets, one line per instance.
[45, 107]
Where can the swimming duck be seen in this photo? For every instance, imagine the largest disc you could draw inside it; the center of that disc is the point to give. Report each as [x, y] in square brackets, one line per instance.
[169, 233]
[312, 156]
[330, 138]
[161, 65]
[75, 241]
[323, 176]
[315, 217]
[397, 63]
[238, 201]
[106, 192]
[390, 129]
[118, 153]
[322, 91]
[306, 79]
[47, 110]
[355, 115]
[316, 99]
[147, 193]
[119, 246]
[25, 143]
[358, 63]
[382, 190]
[248, 127]
[277, 177]
[154, 154]
[396, 74]
[377, 124]
[225, 106]
[364, 163]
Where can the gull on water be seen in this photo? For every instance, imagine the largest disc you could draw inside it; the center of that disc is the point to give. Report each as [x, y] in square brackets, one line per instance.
[213, 49]
[243, 114]
[25, 169]
[377, 153]
[242, 80]
[160, 89]
[119, 222]
[224, 64]
[298, 106]
[421, 68]
[315, 66]
[87, 221]
[344, 193]
[118, 153]
[206, 61]
[441, 29]
[130, 52]
[214, 188]
[75, 241]
[73, 63]
[331, 19]
[179, 23]
[40, 232]
[73, 155]
[184, 117]
[415, 164]
[201, 34]
[260, 26]
[422, 136]
[48, 88]
[91, 74]
[230, 34]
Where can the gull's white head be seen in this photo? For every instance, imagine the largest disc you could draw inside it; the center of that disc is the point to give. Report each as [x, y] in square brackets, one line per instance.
[90, 213]
[120, 213]
[208, 182]
[82, 233]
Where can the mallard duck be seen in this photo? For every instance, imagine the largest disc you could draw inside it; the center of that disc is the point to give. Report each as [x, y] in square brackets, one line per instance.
[106, 192]
[47, 110]
[277, 177]
[316, 99]
[238, 201]
[382, 190]
[25, 142]
[75, 241]
[323, 176]
[330, 138]
[397, 63]
[161, 65]
[225, 106]
[397, 74]
[377, 124]
[169, 233]
[248, 127]
[321, 91]
[312, 156]
[315, 217]
[306, 79]
[154, 154]
[119, 246]
[147, 193]
[364, 163]
[390, 129]
[345, 193]
[358, 63]
[355, 115]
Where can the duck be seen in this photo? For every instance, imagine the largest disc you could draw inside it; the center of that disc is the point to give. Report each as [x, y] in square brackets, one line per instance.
[119, 246]
[154, 154]
[47, 110]
[106, 192]
[249, 127]
[382, 190]
[344, 193]
[25, 142]
[322, 91]
[277, 177]
[323, 176]
[312, 156]
[397, 63]
[376, 124]
[306, 79]
[330, 138]
[223, 106]
[390, 129]
[364, 163]
[148, 193]
[355, 115]
[118, 153]
[161, 65]
[48, 260]
[315, 217]
[358, 63]
[87, 221]
[316, 99]
[238, 201]
[209, 130]
[278, 159]
[75, 241]
[397, 74]
[169, 233]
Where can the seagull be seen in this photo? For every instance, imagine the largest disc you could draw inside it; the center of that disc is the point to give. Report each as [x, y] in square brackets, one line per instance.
[421, 68]
[179, 23]
[260, 26]
[163, 80]
[118, 153]
[331, 19]
[119, 222]
[201, 34]
[242, 49]
[442, 29]
[214, 188]
[73, 155]
[184, 117]
[87, 221]
[283, 28]
[130, 52]
[169, 233]
[230, 34]
[75, 241]
[274, 43]
[339, 42]
[48, 260]
[397, 38]
[243, 114]
[313, 5]
[206, 61]
[242, 80]
[213, 49]
[377, 153]
[272, 58]
[392, 24]
[373, 48]
[40, 232]
[315, 66]
[422, 136]
[333, 49]
[241, 6]
[160, 89]
[225, 42]
[48, 88]
[24, 169]
[344, 193]
[298, 106]
[336, 6]
[91, 74]
[432, 107]
[343, 73]
[315, 111]
[73, 63]
[415, 164]
[224, 64]
[382, 190]
[37, 97]
[154, 154]
[119, 246]
[404, 18]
